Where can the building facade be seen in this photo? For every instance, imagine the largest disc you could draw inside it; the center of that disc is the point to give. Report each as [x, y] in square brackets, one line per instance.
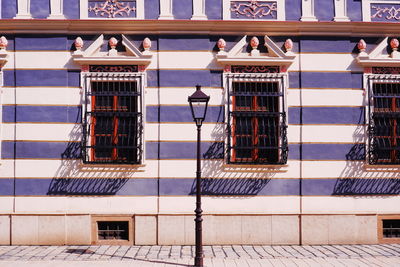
[299, 146]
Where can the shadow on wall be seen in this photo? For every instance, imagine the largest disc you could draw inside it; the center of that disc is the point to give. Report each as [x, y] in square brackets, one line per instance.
[358, 180]
[221, 180]
[74, 178]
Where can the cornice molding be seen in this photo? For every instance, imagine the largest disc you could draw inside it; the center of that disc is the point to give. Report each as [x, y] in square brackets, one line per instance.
[271, 28]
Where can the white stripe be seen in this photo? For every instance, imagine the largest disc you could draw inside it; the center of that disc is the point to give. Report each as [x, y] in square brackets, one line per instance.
[232, 205]
[328, 169]
[74, 168]
[351, 205]
[42, 132]
[6, 205]
[42, 95]
[184, 132]
[327, 62]
[219, 169]
[174, 96]
[326, 97]
[327, 133]
[41, 60]
[87, 204]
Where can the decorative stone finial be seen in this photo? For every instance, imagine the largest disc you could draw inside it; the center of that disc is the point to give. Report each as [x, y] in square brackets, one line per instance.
[288, 45]
[254, 42]
[113, 42]
[78, 43]
[362, 45]
[146, 44]
[221, 44]
[394, 44]
[3, 43]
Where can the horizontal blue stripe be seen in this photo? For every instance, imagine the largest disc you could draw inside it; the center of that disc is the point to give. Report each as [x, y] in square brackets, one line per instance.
[213, 9]
[190, 78]
[8, 9]
[42, 78]
[6, 187]
[45, 150]
[350, 187]
[182, 9]
[86, 186]
[181, 114]
[184, 42]
[40, 9]
[151, 9]
[184, 150]
[41, 42]
[220, 187]
[333, 151]
[213, 187]
[62, 114]
[71, 9]
[331, 80]
[326, 115]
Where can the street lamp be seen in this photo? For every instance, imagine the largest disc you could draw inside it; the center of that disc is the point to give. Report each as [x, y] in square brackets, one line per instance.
[198, 105]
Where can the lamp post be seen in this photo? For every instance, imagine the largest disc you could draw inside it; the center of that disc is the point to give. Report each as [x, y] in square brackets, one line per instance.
[198, 105]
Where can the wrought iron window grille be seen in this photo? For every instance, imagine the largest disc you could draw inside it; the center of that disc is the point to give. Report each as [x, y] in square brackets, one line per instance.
[112, 118]
[256, 126]
[383, 119]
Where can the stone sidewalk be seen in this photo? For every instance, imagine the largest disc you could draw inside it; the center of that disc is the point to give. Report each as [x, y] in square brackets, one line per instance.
[215, 256]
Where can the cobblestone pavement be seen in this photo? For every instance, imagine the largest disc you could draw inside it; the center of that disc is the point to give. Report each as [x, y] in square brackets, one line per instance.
[227, 256]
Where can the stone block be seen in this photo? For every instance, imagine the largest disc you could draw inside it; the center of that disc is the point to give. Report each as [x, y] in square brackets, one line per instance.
[367, 229]
[171, 230]
[228, 230]
[5, 230]
[285, 230]
[145, 230]
[190, 229]
[315, 229]
[51, 230]
[342, 229]
[78, 230]
[209, 233]
[256, 230]
[24, 230]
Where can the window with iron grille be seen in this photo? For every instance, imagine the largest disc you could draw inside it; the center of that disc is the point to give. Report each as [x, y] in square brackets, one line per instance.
[112, 123]
[384, 119]
[256, 119]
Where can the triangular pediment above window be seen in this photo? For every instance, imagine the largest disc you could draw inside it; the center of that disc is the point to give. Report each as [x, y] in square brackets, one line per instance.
[93, 55]
[385, 54]
[275, 56]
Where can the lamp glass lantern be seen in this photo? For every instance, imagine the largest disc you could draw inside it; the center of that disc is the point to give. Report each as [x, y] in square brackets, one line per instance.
[198, 105]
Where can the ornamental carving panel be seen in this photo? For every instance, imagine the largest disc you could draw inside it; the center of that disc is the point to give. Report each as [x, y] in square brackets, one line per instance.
[255, 69]
[254, 9]
[113, 68]
[112, 8]
[386, 70]
[385, 12]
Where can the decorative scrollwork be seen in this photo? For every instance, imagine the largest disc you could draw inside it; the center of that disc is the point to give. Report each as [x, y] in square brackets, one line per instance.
[112, 8]
[255, 69]
[113, 68]
[393, 12]
[386, 70]
[254, 9]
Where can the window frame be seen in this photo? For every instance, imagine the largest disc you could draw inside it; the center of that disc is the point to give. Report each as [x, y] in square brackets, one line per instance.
[370, 80]
[87, 105]
[281, 78]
